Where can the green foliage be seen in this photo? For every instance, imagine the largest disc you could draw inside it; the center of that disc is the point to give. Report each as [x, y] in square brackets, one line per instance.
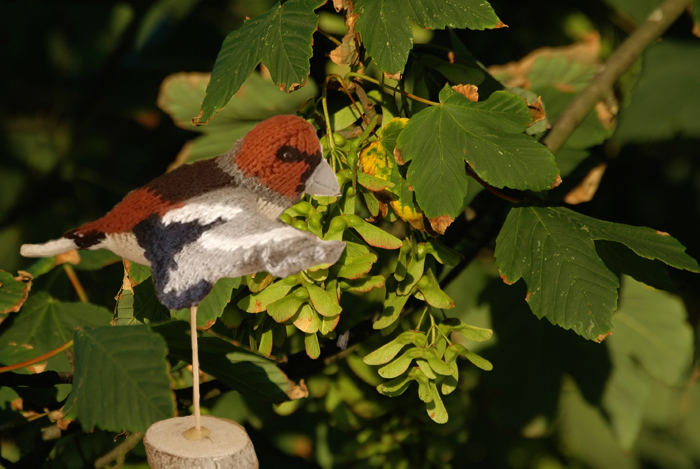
[441, 138]
[553, 250]
[281, 38]
[416, 296]
[384, 25]
[132, 387]
[661, 92]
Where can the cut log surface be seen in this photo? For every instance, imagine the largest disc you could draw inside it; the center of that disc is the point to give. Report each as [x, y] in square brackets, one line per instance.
[227, 446]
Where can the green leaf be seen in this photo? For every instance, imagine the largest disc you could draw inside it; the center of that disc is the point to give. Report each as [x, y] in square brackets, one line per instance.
[487, 134]
[425, 368]
[373, 183]
[414, 272]
[313, 350]
[433, 294]
[400, 364]
[142, 307]
[375, 236]
[661, 343]
[121, 378]
[393, 305]
[387, 352]
[663, 105]
[13, 292]
[138, 273]
[385, 29]
[246, 372]
[355, 267]
[95, 260]
[41, 266]
[396, 386]
[287, 46]
[323, 302]
[363, 284]
[258, 99]
[258, 302]
[553, 250]
[284, 308]
[476, 334]
[638, 10]
[212, 307]
[646, 347]
[442, 254]
[281, 38]
[327, 324]
[46, 323]
[266, 339]
[479, 361]
[258, 282]
[436, 408]
[622, 260]
[125, 309]
[306, 320]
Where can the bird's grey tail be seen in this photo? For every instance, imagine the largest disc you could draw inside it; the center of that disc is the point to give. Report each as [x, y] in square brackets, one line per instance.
[51, 248]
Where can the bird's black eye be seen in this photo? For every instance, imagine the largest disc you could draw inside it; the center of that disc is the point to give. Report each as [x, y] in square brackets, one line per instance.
[288, 154]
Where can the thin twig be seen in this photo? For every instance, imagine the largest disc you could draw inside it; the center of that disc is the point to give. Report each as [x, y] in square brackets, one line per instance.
[329, 36]
[119, 453]
[340, 80]
[392, 88]
[366, 103]
[75, 281]
[658, 21]
[38, 359]
[490, 188]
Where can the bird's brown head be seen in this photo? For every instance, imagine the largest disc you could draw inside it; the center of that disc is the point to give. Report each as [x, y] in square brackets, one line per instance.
[282, 152]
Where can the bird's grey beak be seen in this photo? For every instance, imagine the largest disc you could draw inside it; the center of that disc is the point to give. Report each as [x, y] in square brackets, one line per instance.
[322, 181]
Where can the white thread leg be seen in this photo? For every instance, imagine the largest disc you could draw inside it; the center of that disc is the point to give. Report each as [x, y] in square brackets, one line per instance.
[195, 368]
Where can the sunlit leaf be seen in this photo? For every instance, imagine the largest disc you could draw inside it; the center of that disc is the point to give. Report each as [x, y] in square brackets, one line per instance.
[13, 292]
[488, 135]
[212, 306]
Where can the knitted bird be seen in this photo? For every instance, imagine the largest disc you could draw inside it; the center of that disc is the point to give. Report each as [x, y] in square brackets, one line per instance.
[219, 217]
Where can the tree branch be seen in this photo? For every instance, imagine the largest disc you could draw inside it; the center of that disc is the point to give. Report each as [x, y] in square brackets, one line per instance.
[658, 21]
[119, 453]
[45, 379]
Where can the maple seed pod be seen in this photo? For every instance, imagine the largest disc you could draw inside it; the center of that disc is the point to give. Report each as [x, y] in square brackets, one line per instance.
[287, 218]
[351, 159]
[314, 221]
[292, 279]
[339, 140]
[300, 225]
[424, 282]
[354, 221]
[337, 224]
[304, 207]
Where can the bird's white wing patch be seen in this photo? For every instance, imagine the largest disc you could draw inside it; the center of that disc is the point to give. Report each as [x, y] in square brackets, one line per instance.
[201, 212]
[248, 244]
[215, 240]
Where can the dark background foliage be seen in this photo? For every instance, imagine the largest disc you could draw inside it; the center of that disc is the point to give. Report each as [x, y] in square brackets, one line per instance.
[79, 127]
